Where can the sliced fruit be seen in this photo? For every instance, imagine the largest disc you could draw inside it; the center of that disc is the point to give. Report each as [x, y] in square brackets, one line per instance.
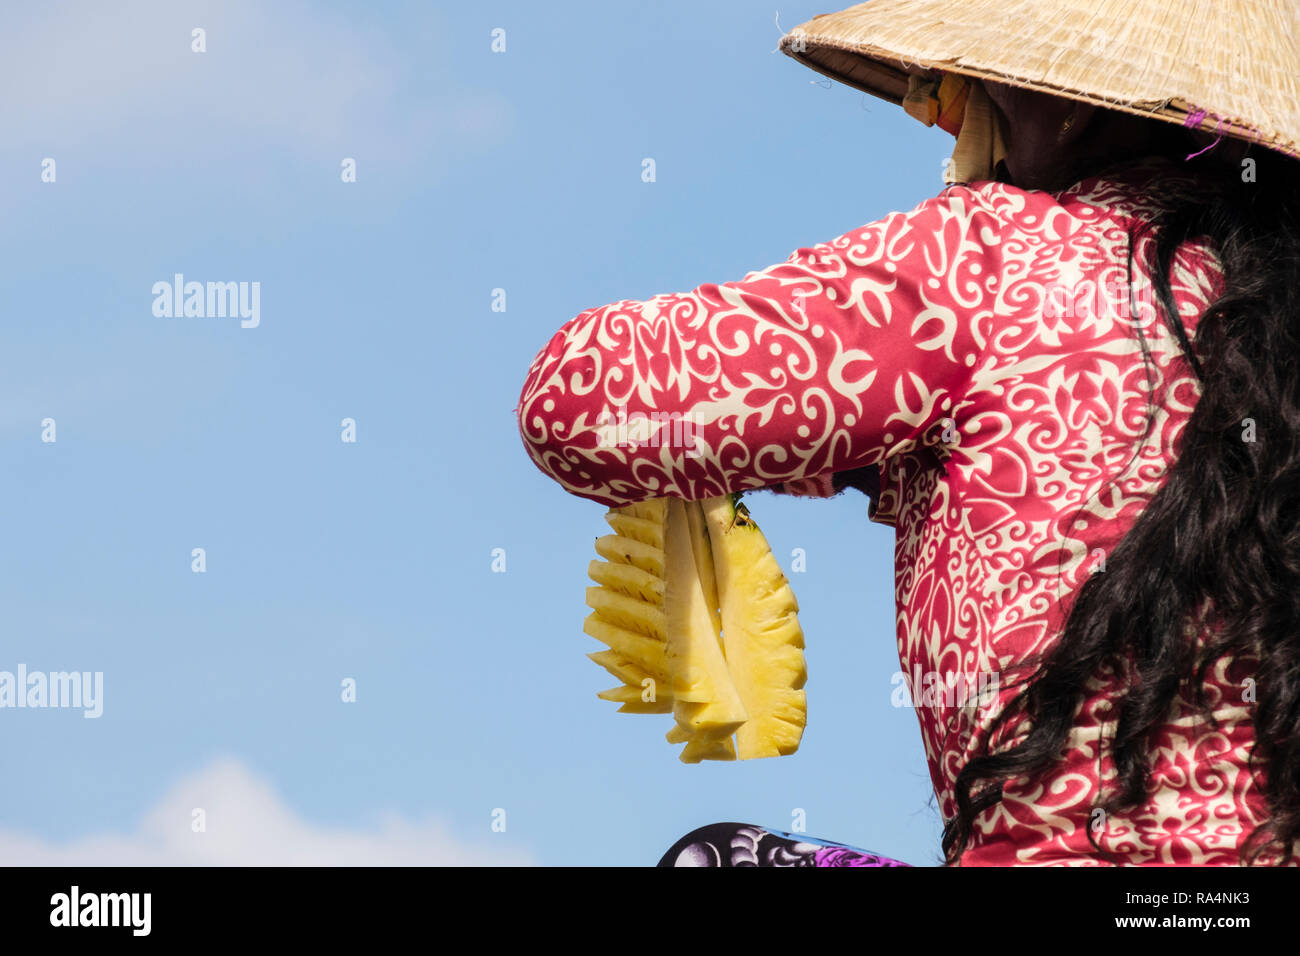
[628, 580]
[760, 630]
[646, 653]
[638, 529]
[652, 509]
[699, 672]
[633, 613]
[702, 548]
[622, 668]
[621, 550]
[678, 735]
[661, 706]
[631, 694]
[701, 749]
[689, 596]
[628, 608]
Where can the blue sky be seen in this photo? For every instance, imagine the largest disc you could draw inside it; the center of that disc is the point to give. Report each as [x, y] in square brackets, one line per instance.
[372, 560]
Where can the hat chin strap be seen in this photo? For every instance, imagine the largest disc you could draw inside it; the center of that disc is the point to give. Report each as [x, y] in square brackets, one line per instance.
[960, 105]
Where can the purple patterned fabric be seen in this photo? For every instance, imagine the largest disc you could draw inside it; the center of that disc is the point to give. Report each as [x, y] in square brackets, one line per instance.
[742, 844]
[842, 856]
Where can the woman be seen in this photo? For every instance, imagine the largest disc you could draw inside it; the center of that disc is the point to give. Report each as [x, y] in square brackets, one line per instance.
[1070, 382]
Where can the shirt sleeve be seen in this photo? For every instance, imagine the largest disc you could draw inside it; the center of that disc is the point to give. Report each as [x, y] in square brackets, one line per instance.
[849, 351]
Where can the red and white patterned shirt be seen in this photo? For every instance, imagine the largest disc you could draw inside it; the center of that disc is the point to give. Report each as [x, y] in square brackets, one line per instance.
[983, 351]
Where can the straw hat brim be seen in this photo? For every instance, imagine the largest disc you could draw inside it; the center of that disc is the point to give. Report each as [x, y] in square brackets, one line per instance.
[1229, 66]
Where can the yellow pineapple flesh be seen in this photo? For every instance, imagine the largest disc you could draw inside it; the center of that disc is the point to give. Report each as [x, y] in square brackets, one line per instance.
[700, 623]
[628, 608]
[760, 630]
[699, 670]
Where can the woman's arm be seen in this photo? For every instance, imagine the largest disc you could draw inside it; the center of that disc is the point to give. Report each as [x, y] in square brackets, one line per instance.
[823, 363]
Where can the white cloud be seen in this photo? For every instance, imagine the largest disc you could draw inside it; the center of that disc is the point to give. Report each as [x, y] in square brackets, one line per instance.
[249, 825]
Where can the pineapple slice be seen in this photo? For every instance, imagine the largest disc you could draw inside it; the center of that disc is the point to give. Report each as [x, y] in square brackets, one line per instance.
[629, 612]
[760, 630]
[698, 748]
[701, 745]
[633, 699]
[703, 550]
[628, 607]
[622, 668]
[678, 735]
[621, 550]
[660, 706]
[646, 530]
[628, 580]
[646, 653]
[652, 509]
[708, 704]
[690, 597]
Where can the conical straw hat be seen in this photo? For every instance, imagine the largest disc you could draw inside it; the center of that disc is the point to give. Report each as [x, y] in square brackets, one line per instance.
[1225, 65]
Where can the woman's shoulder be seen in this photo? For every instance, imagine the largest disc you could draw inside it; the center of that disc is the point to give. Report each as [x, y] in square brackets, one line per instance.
[1003, 217]
[1136, 190]
[1126, 191]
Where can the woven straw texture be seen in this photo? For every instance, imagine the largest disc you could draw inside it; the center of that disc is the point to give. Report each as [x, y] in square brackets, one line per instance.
[1234, 61]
